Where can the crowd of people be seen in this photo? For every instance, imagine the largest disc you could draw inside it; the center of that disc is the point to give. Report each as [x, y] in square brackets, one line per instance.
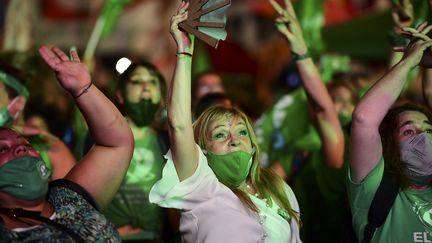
[179, 161]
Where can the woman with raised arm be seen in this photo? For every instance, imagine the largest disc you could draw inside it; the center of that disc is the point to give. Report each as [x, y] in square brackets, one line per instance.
[213, 173]
[322, 177]
[319, 98]
[65, 209]
[395, 140]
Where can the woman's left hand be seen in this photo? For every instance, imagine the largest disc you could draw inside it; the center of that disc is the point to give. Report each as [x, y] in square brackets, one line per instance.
[185, 41]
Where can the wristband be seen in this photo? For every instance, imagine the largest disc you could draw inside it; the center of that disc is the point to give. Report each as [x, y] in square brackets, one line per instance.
[84, 91]
[298, 57]
[184, 53]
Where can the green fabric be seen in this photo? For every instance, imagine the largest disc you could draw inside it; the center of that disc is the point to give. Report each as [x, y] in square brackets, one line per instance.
[80, 133]
[281, 126]
[321, 193]
[40, 145]
[311, 17]
[131, 205]
[331, 64]
[110, 12]
[408, 221]
[6, 119]
[367, 36]
[13, 83]
[201, 61]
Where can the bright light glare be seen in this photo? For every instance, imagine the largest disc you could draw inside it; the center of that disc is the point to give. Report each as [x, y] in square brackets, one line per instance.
[122, 64]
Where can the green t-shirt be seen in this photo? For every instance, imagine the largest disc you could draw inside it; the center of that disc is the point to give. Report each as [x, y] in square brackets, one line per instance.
[409, 219]
[131, 205]
[281, 128]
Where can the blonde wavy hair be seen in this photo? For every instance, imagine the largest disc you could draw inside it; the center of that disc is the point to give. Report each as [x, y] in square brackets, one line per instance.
[267, 183]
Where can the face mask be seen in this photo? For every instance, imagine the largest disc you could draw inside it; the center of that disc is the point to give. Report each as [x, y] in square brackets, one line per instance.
[6, 119]
[25, 178]
[344, 120]
[230, 169]
[141, 113]
[416, 152]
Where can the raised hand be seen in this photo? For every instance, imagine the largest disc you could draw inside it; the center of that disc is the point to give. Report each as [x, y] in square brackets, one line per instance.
[184, 40]
[71, 74]
[419, 39]
[403, 14]
[288, 24]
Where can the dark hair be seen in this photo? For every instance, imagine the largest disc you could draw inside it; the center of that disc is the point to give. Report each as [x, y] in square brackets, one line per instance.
[209, 100]
[125, 76]
[198, 77]
[349, 81]
[56, 119]
[391, 149]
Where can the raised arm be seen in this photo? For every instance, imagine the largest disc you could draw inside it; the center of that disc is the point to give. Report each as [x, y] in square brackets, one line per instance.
[328, 125]
[101, 171]
[366, 147]
[183, 148]
[427, 77]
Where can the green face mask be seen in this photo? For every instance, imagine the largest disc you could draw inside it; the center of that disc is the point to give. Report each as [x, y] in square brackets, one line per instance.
[25, 178]
[230, 169]
[6, 119]
[141, 113]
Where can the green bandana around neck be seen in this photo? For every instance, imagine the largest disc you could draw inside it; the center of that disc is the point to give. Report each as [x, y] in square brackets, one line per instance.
[12, 82]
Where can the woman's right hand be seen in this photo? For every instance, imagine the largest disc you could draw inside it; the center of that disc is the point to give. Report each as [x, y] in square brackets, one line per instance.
[288, 24]
[184, 40]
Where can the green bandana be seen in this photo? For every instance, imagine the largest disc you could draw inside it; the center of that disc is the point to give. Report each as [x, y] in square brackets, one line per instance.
[25, 178]
[13, 83]
[6, 119]
[231, 169]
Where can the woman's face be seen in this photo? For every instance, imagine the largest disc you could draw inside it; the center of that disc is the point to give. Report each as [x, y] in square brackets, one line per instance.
[143, 85]
[342, 100]
[411, 123]
[13, 145]
[209, 83]
[228, 134]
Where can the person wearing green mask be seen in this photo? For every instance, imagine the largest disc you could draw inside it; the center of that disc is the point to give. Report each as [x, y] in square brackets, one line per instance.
[213, 172]
[140, 93]
[13, 99]
[32, 209]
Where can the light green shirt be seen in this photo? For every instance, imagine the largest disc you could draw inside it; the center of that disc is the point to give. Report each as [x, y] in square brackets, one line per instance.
[131, 204]
[409, 219]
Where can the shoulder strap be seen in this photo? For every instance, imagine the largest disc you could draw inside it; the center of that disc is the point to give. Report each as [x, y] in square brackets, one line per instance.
[381, 205]
[22, 213]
